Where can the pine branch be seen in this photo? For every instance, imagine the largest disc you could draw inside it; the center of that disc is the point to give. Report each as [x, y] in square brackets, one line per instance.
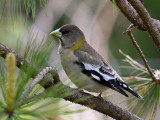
[147, 20]
[93, 102]
[141, 54]
[139, 19]
[36, 81]
[150, 71]
[4, 50]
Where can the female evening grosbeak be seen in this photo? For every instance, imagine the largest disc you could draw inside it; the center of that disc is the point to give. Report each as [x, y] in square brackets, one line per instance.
[81, 62]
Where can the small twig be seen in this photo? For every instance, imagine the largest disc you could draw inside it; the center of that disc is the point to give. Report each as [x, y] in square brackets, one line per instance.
[141, 53]
[147, 20]
[130, 28]
[37, 80]
[132, 15]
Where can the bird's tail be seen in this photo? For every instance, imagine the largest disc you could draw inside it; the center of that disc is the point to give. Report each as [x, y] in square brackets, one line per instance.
[126, 87]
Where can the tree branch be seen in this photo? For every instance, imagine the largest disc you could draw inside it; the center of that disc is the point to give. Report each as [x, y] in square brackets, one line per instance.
[93, 102]
[147, 20]
[128, 31]
[37, 80]
[129, 11]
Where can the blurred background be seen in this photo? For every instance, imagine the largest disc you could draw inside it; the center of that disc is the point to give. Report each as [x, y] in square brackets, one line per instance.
[102, 23]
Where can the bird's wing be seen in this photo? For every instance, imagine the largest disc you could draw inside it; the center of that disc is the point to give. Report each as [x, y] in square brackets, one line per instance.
[101, 72]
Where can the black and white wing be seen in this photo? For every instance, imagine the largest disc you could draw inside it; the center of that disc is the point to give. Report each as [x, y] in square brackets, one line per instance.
[104, 74]
[105, 78]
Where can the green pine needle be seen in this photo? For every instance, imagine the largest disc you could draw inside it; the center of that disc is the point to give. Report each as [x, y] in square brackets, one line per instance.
[18, 5]
[145, 86]
[45, 104]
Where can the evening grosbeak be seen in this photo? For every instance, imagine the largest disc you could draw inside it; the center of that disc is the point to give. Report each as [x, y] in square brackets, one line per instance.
[84, 66]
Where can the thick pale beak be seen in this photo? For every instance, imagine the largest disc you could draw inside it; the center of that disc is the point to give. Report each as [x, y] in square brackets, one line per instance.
[56, 33]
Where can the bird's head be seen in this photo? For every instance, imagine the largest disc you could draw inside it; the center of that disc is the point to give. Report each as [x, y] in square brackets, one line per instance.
[70, 36]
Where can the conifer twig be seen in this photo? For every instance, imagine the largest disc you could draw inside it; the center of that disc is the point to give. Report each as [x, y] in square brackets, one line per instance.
[147, 20]
[37, 80]
[4, 50]
[128, 31]
[133, 15]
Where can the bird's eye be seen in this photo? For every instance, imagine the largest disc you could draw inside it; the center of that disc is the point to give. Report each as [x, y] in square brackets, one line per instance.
[65, 32]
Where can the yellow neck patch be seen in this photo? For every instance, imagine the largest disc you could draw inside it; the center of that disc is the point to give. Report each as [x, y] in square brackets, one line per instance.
[79, 44]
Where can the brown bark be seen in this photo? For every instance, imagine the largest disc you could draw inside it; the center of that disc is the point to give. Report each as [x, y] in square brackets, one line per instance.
[139, 16]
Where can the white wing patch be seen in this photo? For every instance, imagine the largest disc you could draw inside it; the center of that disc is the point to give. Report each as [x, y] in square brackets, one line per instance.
[96, 77]
[125, 86]
[96, 68]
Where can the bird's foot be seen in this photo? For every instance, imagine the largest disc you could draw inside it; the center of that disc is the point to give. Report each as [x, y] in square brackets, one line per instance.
[100, 95]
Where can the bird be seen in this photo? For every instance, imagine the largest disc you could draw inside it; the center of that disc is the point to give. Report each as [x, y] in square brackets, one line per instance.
[84, 66]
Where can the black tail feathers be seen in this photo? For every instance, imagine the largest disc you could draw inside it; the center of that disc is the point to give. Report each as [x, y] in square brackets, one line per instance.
[126, 87]
[112, 84]
[118, 89]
